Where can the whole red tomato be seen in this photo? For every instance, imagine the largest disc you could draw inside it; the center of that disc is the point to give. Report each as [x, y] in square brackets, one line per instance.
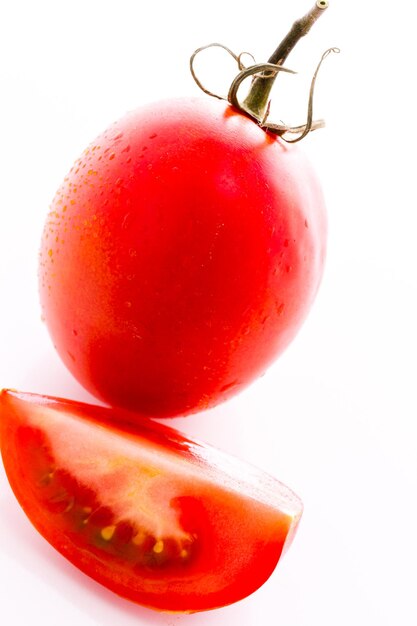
[180, 256]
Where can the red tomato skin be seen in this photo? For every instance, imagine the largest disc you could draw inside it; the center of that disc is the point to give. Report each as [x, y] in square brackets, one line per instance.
[240, 538]
[180, 257]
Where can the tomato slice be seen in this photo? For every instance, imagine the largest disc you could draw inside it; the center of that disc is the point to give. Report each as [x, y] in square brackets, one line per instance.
[154, 516]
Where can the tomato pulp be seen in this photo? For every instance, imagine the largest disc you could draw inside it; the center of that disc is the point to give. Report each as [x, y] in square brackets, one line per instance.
[180, 257]
[157, 518]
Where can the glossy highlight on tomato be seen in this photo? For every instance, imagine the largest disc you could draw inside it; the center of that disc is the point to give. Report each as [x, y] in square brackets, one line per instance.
[180, 256]
[157, 518]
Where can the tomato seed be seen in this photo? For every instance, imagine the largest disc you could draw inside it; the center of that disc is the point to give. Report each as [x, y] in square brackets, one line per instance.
[70, 505]
[158, 547]
[61, 502]
[46, 479]
[108, 532]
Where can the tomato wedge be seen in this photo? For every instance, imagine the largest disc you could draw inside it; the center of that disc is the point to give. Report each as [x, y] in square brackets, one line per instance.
[159, 519]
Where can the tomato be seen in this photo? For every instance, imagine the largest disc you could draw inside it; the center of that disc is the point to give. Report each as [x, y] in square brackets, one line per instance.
[180, 256]
[157, 518]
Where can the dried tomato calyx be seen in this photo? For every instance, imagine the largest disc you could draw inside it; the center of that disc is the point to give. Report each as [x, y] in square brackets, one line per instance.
[257, 103]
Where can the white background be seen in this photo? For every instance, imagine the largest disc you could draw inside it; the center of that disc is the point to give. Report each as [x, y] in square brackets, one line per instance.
[335, 417]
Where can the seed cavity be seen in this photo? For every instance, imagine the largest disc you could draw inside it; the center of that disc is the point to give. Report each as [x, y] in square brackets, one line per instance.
[64, 495]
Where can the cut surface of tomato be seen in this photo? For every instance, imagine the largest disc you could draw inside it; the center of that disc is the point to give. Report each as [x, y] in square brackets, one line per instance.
[157, 518]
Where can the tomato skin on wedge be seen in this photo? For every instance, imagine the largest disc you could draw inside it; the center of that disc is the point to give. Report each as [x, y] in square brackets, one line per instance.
[157, 518]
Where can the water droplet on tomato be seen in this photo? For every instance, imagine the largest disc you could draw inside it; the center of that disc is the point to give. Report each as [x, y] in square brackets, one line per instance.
[229, 385]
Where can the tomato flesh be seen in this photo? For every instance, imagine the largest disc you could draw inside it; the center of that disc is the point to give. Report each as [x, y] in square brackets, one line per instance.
[157, 518]
[180, 256]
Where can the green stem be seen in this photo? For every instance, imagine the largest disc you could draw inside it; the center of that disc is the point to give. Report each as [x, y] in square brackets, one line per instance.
[256, 101]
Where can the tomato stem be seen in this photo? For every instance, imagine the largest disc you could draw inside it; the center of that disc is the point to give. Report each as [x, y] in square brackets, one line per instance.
[256, 101]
